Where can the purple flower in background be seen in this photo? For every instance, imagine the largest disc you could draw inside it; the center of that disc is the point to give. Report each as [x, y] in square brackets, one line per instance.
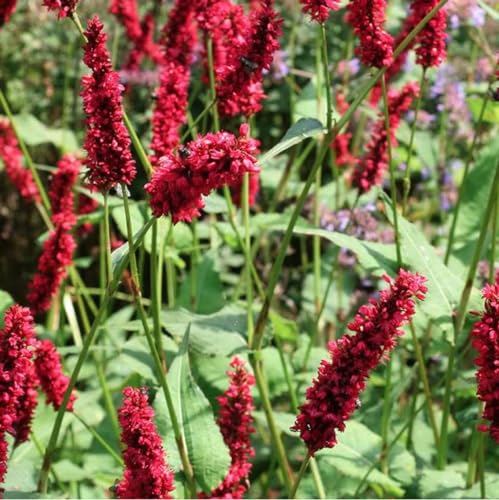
[465, 12]
[454, 21]
[348, 67]
[279, 68]
[477, 16]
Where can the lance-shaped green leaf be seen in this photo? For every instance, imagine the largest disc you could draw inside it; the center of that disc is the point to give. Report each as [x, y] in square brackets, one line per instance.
[301, 130]
[208, 454]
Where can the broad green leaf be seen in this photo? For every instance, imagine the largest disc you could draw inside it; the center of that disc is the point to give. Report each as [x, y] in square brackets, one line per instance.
[221, 333]
[301, 130]
[444, 286]
[491, 112]
[137, 218]
[306, 103]
[284, 328]
[5, 302]
[441, 484]
[207, 451]
[476, 191]
[69, 471]
[491, 487]
[358, 449]
[209, 291]
[375, 258]
[274, 372]
[34, 132]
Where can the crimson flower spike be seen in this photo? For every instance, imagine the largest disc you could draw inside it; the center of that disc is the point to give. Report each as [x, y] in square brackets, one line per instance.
[109, 159]
[207, 163]
[6, 10]
[236, 424]
[334, 393]
[65, 7]
[367, 18]
[170, 112]
[51, 379]
[12, 157]
[485, 335]
[239, 83]
[17, 338]
[146, 472]
[319, 10]
[371, 167]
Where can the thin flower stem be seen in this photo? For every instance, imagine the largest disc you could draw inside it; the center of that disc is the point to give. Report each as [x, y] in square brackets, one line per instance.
[27, 157]
[76, 20]
[137, 144]
[316, 475]
[179, 437]
[100, 440]
[393, 185]
[327, 78]
[469, 158]
[256, 363]
[407, 173]
[481, 464]
[423, 375]
[107, 241]
[192, 126]
[88, 341]
[156, 294]
[211, 70]
[459, 321]
[247, 260]
[473, 452]
[299, 476]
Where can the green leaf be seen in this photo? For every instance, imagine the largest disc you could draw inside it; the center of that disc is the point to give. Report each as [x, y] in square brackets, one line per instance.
[120, 256]
[306, 103]
[301, 130]
[221, 333]
[444, 286]
[285, 329]
[33, 132]
[476, 192]
[5, 302]
[69, 471]
[207, 451]
[209, 296]
[491, 112]
[441, 484]
[357, 450]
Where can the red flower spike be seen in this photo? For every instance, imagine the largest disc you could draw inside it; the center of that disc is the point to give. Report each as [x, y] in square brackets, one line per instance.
[239, 83]
[12, 156]
[65, 7]
[170, 112]
[146, 472]
[485, 339]
[57, 256]
[27, 406]
[370, 169]
[367, 18]
[236, 424]
[61, 191]
[107, 143]
[319, 10]
[6, 10]
[207, 163]
[333, 396]
[127, 12]
[16, 340]
[51, 379]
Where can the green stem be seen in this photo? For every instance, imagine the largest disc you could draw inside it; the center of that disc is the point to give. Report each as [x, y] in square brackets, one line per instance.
[299, 476]
[137, 144]
[459, 322]
[211, 70]
[76, 20]
[100, 440]
[393, 185]
[27, 157]
[256, 363]
[247, 259]
[107, 241]
[426, 385]
[192, 126]
[476, 135]
[493, 249]
[156, 294]
[407, 174]
[179, 438]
